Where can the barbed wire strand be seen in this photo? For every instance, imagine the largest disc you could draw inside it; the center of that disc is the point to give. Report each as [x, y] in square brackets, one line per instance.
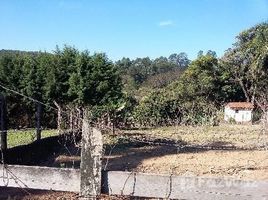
[6, 171]
[35, 100]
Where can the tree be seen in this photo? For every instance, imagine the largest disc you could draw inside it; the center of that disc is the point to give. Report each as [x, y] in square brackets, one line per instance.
[193, 99]
[202, 78]
[162, 79]
[180, 60]
[66, 77]
[246, 62]
[95, 81]
[33, 79]
[212, 53]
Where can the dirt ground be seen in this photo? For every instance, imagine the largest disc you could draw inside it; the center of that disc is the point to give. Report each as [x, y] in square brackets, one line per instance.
[245, 165]
[238, 152]
[236, 164]
[29, 194]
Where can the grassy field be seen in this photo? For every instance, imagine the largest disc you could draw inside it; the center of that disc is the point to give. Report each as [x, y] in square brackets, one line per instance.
[22, 137]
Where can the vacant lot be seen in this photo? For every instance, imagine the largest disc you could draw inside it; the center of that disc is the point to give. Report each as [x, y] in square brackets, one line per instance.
[234, 151]
[245, 136]
[247, 165]
[237, 151]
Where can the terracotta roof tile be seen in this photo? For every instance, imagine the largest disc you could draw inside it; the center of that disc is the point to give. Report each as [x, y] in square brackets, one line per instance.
[240, 105]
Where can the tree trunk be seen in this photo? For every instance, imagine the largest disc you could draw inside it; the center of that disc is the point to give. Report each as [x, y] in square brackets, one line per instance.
[244, 90]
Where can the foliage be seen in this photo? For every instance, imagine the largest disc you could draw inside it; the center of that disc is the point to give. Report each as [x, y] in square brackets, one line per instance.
[247, 62]
[147, 92]
[67, 77]
[151, 73]
[190, 100]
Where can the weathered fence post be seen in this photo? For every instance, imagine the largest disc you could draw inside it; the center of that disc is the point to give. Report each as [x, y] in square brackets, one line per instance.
[3, 123]
[90, 166]
[38, 120]
[59, 116]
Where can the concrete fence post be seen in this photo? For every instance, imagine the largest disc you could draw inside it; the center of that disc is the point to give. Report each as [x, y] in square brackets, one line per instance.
[90, 167]
[3, 123]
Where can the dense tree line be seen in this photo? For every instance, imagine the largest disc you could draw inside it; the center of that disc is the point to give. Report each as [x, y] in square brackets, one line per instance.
[143, 91]
[65, 77]
[141, 71]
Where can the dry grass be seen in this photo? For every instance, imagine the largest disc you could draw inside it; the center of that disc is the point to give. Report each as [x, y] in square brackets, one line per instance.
[245, 136]
[237, 163]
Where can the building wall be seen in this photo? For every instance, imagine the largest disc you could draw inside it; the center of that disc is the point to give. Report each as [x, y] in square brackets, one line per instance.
[239, 116]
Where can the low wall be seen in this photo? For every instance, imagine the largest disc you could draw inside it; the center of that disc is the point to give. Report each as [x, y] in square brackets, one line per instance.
[177, 187]
[43, 178]
[135, 184]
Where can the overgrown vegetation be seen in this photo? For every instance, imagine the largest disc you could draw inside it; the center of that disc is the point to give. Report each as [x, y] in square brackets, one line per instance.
[140, 92]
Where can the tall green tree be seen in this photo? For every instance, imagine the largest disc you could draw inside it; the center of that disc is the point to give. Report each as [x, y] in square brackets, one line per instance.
[246, 62]
[95, 81]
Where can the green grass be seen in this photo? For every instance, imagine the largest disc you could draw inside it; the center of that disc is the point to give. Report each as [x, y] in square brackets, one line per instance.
[16, 138]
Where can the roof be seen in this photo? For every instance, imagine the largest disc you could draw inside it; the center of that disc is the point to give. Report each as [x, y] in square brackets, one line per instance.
[240, 105]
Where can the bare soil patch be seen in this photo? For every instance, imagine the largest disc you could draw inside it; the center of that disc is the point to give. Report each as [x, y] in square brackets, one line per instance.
[245, 165]
[238, 152]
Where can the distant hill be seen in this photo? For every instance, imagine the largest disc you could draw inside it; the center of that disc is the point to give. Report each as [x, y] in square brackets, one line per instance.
[16, 52]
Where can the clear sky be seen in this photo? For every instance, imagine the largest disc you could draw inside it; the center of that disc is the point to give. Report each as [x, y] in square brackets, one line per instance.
[128, 28]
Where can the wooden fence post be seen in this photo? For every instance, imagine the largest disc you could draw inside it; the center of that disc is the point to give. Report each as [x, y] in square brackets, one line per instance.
[3, 122]
[90, 167]
[59, 116]
[38, 120]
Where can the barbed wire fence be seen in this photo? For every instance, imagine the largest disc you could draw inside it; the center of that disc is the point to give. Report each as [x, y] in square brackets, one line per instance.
[126, 141]
[177, 147]
[116, 140]
[15, 141]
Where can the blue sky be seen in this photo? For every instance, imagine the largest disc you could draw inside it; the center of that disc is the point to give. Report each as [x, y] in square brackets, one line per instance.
[128, 28]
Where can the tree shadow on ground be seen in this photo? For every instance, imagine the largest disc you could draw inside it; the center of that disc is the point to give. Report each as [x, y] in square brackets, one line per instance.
[126, 154]
[27, 194]
[41, 152]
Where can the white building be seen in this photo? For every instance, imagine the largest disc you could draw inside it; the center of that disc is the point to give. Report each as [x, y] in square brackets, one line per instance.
[240, 112]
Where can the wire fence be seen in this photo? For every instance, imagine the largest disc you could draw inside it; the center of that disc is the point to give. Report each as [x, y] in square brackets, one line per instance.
[169, 150]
